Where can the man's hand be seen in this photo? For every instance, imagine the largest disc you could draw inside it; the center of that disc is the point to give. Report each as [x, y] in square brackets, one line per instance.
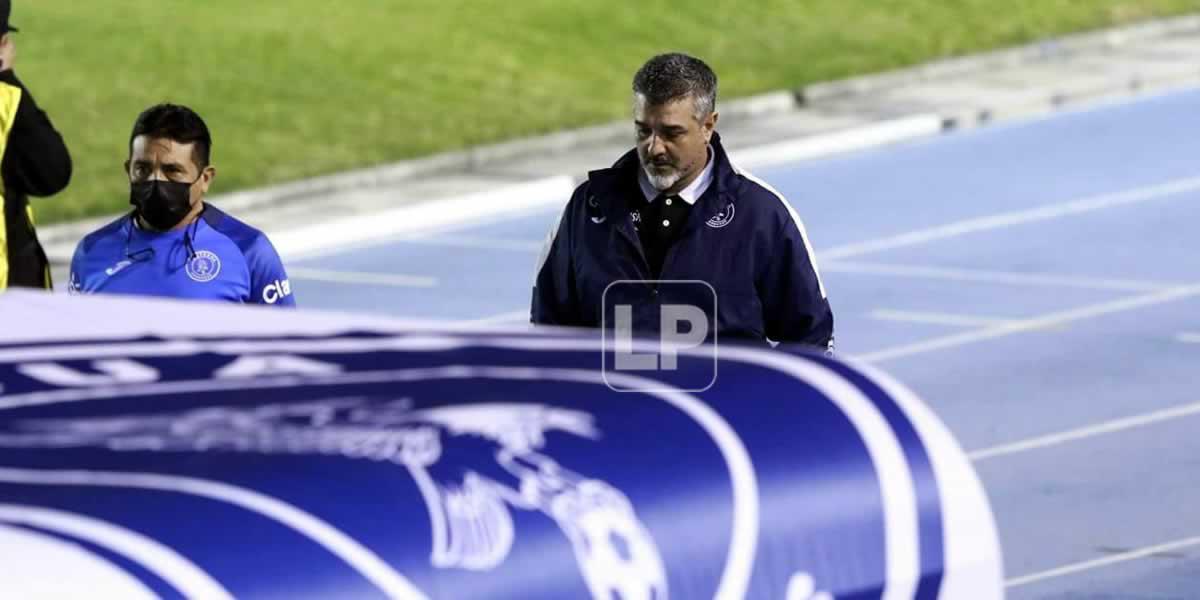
[8, 52]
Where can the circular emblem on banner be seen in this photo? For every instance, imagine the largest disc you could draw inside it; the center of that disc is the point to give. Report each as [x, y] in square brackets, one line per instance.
[204, 266]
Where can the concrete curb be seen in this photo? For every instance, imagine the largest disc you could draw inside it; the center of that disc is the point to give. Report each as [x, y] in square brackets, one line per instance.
[870, 135]
[422, 218]
[1039, 51]
[1066, 98]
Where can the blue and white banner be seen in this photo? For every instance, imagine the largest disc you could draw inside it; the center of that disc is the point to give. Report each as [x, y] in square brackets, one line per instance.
[157, 448]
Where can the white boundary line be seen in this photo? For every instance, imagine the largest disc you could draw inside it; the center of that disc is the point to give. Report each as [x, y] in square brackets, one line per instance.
[936, 318]
[1010, 219]
[388, 279]
[1088, 565]
[344, 234]
[985, 276]
[485, 243]
[1043, 322]
[1082, 433]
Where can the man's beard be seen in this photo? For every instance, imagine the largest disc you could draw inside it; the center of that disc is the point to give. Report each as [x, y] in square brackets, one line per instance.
[662, 180]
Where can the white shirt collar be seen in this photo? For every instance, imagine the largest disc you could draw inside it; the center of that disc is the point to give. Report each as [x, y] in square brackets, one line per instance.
[691, 193]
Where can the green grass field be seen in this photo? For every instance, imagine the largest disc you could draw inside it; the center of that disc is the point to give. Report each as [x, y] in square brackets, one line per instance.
[295, 88]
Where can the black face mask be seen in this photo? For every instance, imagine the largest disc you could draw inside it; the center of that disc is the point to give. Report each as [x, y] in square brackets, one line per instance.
[161, 204]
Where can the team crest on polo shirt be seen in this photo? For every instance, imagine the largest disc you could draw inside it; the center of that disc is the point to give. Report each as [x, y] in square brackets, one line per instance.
[203, 267]
[722, 219]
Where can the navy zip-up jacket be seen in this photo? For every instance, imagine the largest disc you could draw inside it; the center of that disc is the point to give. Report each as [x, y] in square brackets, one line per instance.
[741, 237]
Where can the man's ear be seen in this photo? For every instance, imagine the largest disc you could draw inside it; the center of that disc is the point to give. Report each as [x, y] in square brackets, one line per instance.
[710, 125]
[206, 177]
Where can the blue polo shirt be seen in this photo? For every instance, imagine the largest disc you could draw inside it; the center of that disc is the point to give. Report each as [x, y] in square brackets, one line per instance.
[216, 257]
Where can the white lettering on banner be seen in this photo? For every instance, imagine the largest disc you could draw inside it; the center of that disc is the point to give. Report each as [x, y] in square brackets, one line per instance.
[121, 370]
[128, 371]
[275, 291]
[276, 364]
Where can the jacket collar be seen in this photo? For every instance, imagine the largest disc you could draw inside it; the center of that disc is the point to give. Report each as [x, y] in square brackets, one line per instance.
[613, 188]
[611, 191]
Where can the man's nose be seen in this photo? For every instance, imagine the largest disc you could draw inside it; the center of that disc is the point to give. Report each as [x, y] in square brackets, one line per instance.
[656, 147]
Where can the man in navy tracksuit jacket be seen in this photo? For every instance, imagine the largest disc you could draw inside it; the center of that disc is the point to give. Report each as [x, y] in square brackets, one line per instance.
[674, 209]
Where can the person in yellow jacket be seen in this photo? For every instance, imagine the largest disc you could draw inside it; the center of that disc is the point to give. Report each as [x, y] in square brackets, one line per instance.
[35, 163]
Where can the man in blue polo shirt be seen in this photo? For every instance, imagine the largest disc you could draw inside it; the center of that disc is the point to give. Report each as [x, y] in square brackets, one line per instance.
[172, 243]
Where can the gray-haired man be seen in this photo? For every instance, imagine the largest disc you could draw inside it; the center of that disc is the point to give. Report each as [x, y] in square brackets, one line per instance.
[675, 208]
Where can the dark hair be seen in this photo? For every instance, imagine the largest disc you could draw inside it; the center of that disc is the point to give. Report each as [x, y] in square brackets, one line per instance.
[669, 77]
[177, 123]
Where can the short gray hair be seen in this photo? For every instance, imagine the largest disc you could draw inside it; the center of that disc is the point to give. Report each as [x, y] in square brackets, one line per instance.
[670, 77]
